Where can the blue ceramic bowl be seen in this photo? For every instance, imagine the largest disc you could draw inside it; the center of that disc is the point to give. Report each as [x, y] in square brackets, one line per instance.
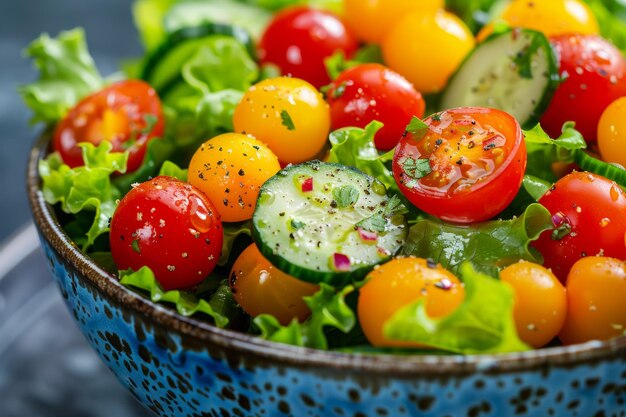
[182, 367]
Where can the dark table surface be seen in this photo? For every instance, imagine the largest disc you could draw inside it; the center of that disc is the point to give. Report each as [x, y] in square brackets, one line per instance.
[111, 37]
[46, 367]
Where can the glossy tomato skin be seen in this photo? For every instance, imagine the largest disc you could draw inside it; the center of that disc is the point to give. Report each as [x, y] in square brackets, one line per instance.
[298, 40]
[476, 158]
[370, 92]
[588, 211]
[399, 283]
[612, 133]
[594, 75]
[169, 226]
[596, 290]
[128, 114]
[261, 288]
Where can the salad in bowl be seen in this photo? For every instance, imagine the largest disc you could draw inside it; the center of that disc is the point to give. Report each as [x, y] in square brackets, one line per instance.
[418, 183]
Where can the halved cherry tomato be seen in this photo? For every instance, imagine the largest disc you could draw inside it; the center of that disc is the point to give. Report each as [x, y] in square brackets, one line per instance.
[288, 114]
[402, 282]
[169, 226]
[427, 48]
[260, 288]
[551, 17]
[373, 92]
[298, 40]
[596, 290]
[230, 169]
[371, 20]
[594, 75]
[128, 114]
[540, 302]
[467, 166]
[588, 216]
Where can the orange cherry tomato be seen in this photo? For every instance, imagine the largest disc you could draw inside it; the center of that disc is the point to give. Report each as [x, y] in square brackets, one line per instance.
[596, 291]
[260, 288]
[399, 283]
[540, 302]
[128, 114]
[230, 169]
[612, 132]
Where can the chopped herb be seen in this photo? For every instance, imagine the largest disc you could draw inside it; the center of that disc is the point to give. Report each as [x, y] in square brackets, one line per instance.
[395, 206]
[374, 223]
[135, 246]
[297, 224]
[346, 195]
[287, 122]
[340, 90]
[436, 117]
[415, 169]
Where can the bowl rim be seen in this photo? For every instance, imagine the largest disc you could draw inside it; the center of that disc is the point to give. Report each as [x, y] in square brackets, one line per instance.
[254, 347]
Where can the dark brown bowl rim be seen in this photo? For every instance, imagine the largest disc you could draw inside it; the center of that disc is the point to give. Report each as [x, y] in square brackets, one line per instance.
[256, 348]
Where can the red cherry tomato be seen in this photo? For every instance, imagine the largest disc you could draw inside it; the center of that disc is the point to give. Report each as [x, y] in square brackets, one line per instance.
[373, 92]
[588, 216]
[169, 226]
[594, 75]
[128, 114]
[298, 40]
[466, 167]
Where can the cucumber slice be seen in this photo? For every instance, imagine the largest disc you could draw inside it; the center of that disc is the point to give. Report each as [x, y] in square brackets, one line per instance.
[322, 222]
[163, 66]
[516, 71]
[612, 172]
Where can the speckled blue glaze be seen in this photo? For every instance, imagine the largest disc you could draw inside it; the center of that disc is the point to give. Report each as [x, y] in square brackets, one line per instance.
[183, 367]
[177, 376]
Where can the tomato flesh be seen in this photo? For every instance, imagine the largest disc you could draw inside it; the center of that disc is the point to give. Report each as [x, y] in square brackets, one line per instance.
[373, 92]
[588, 216]
[128, 114]
[476, 162]
[298, 40]
[169, 226]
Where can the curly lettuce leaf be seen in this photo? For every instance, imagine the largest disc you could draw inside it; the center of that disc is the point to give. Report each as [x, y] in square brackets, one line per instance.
[328, 309]
[67, 73]
[490, 246]
[544, 151]
[611, 15]
[86, 188]
[220, 305]
[337, 63]
[483, 323]
[170, 169]
[355, 147]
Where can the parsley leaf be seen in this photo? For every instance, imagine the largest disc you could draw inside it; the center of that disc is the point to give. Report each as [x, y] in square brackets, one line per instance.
[415, 169]
[374, 223]
[297, 224]
[345, 196]
[287, 122]
[417, 128]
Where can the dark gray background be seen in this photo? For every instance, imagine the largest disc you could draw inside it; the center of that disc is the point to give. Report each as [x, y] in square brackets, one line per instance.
[111, 37]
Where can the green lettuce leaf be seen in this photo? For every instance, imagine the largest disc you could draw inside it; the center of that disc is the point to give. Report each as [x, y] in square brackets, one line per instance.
[544, 151]
[67, 74]
[483, 323]
[335, 6]
[611, 15]
[231, 232]
[220, 305]
[149, 16]
[490, 246]
[328, 309]
[475, 13]
[355, 147]
[86, 188]
[170, 169]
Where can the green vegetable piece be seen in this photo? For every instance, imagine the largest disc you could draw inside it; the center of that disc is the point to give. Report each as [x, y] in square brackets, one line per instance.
[483, 323]
[67, 74]
[490, 246]
[346, 196]
[286, 120]
[328, 309]
[170, 169]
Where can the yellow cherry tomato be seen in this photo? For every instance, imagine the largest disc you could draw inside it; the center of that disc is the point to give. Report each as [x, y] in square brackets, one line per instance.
[427, 48]
[540, 302]
[260, 288]
[370, 20]
[402, 282]
[552, 17]
[288, 114]
[612, 132]
[230, 169]
[596, 294]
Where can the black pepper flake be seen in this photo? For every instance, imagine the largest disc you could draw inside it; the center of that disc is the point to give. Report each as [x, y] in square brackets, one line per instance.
[438, 142]
[226, 202]
[242, 173]
[282, 214]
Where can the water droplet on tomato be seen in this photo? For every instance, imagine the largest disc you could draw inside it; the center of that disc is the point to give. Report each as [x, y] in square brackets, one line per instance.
[615, 192]
[605, 222]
